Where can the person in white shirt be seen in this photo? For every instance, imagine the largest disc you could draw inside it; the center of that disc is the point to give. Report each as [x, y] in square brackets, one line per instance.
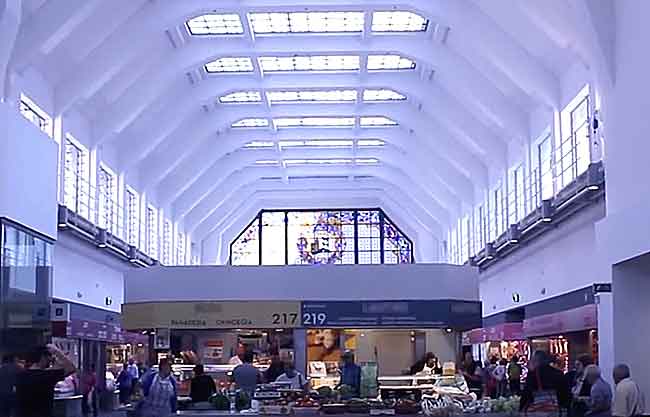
[291, 375]
[628, 398]
[237, 359]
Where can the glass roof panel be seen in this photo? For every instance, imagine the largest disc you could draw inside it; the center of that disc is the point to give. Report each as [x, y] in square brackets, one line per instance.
[316, 143]
[367, 121]
[306, 22]
[382, 95]
[367, 161]
[311, 96]
[318, 161]
[258, 144]
[230, 64]
[267, 162]
[398, 21]
[242, 97]
[314, 122]
[385, 62]
[309, 63]
[370, 142]
[251, 122]
[216, 24]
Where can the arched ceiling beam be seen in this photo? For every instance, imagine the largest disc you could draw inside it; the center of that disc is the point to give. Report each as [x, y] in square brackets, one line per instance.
[48, 27]
[201, 198]
[10, 18]
[195, 54]
[458, 174]
[199, 202]
[404, 113]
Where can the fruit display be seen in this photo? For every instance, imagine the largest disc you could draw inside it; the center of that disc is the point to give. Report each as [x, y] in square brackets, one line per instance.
[498, 405]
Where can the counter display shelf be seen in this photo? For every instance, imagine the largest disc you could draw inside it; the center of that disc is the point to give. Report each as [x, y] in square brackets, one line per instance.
[67, 406]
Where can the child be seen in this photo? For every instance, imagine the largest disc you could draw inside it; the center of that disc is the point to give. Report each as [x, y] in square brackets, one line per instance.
[499, 375]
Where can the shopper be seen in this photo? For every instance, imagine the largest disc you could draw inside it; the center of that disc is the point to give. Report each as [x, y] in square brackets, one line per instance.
[247, 376]
[499, 375]
[159, 390]
[35, 385]
[350, 374]
[580, 386]
[514, 376]
[489, 380]
[276, 368]
[89, 391]
[546, 388]
[628, 399]
[599, 402]
[292, 376]
[202, 386]
[8, 374]
[471, 370]
[238, 358]
[125, 382]
[133, 370]
[428, 364]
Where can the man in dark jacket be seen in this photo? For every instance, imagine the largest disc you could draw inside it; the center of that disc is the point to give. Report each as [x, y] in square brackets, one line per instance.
[546, 387]
[8, 372]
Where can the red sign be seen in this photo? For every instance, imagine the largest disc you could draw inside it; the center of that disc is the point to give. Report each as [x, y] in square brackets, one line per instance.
[575, 320]
[500, 333]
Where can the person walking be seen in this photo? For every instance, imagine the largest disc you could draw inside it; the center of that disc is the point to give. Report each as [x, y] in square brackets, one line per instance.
[35, 385]
[133, 370]
[159, 390]
[8, 374]
[89, 391]
[202, 386]
[514, 376]
[580, 386]
[247, 376]
[546, 389]
[599, 401]
[125, 382]
[629, 400]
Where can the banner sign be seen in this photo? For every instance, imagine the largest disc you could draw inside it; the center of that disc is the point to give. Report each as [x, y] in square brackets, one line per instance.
[391, 314]
[212, 315]
[574, 320]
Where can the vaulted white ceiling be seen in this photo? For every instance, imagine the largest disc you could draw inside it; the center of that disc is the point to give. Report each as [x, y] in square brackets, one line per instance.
[135, 71]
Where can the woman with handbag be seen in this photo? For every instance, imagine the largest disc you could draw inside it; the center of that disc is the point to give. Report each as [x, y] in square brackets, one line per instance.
[159, 391]
[546, 389]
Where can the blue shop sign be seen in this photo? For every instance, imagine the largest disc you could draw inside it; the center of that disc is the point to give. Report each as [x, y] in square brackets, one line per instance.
[459, 315]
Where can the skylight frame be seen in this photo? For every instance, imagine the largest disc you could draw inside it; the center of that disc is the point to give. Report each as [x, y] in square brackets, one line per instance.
[304, 63]
[382, 95]
[316, 144]
[251, 123]
[241, 97]
[314, 121]
[382, 22]
[211, 29]
[377, 121]
[305, 22]
[370, 143]
[231, 65]
[346, 95]
[403, 63]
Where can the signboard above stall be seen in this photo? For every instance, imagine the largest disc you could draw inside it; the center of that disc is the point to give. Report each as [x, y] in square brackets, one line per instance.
[212, 315]
[458, 315]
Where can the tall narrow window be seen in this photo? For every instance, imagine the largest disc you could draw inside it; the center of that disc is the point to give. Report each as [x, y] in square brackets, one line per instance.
[572, 154]
[497, 214]
[107, 196]
[463, 227]
[167, 243]
[545, 163]
[516, 206]
[152, 232]
[76, 186]
[35, 114]
[132, 216]
[180, 249]
[479, 228]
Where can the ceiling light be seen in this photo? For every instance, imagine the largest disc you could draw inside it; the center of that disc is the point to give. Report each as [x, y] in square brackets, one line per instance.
[377, 121]
[306, 22]
[251, 122]
[370, 142]
[309, 63]
[314, 122]
[387, 62]
[382, 95]
[242, 97]
[311, 96]
[398, 21]
[230, 64]
[216, 24]
[259, 144]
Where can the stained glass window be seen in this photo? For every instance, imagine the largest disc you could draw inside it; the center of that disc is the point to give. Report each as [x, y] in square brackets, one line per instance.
[302, 237]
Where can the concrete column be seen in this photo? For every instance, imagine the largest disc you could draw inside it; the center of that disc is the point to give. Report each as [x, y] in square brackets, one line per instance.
[605, 334]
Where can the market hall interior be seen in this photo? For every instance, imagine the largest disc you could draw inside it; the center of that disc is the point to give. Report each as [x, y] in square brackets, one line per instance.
[310, 179]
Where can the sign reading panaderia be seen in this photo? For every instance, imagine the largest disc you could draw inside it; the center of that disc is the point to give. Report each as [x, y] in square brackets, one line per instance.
[212, 315]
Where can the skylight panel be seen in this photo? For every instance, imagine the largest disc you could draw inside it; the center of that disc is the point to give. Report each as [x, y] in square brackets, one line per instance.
[398, 21]
[267, 162]
[369, 142]
[382, 95]
[323, 143]
[216, 24]
[309, 63]
[259, 144]
[251, 122]
[366, 161]
[386, 62]
[323, 161]
[314, 122]
[367, 121]
[230, 64]
[311, 96]
[306, 22]
[242, 97]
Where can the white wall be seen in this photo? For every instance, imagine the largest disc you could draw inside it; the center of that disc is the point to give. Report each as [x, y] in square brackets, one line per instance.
[28, 163]
[562, 260]
[85, 275]
[323, 282]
